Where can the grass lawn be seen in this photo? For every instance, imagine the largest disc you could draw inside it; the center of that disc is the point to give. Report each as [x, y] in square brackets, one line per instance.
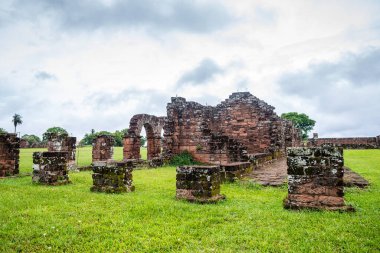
[36, 218]
[83, 156]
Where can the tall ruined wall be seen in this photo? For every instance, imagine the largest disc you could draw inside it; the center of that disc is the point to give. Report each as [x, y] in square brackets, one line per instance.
[240, 125]
[9, 154]
[348, 143]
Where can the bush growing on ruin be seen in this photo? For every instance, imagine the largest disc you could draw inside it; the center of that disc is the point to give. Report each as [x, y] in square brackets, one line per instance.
[301, 121]
[184, 158]
[2, 131]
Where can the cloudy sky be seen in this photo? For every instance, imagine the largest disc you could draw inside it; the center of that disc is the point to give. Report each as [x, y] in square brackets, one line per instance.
[87, 64]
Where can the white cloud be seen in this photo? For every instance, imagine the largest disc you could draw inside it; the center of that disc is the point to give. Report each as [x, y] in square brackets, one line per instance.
[96, 69]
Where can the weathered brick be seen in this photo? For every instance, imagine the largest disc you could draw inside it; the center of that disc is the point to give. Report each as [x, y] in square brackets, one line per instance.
[315, 178]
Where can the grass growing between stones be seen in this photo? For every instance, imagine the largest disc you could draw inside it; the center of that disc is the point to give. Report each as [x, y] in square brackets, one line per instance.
[35, 218]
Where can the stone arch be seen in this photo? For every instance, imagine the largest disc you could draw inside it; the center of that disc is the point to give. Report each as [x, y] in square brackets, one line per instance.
[153, 126]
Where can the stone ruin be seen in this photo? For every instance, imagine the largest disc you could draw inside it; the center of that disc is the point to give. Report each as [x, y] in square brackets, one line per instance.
[153, 126]
[9, 154]
[63, 143]
[50, 168]
[347, 143]
[240, 129]
[315, 178]
[102, 148]
[112, 177]
[199, 184]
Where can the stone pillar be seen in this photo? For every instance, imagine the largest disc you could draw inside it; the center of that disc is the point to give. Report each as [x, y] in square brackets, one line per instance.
[315, 178]
[102, 148]
[154, 147]
[199, 184]
[112, 177]
[9, 154]
[62, 142]
[315, 135]
[378, 141]
[131, 147]
[50, 168]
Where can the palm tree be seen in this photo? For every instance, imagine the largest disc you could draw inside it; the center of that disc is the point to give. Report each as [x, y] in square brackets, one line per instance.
[16, 120]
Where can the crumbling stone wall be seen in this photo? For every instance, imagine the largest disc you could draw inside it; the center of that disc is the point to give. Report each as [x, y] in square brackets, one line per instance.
[230, 132]
[153, 126]
[315, 178]
[102, 148]
[9, 154]
[112, 177]
[347, 143]
[62, 143]
[50, 168]
[199, 184]
[233, 171]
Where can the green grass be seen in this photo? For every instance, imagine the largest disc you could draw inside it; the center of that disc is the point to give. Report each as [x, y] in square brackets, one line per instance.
[83, 155]
[36, 218]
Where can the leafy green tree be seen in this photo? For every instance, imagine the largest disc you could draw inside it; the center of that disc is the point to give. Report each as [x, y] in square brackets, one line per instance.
[57, 130]
[31, 139]
[118, 136]
[2, 131]
[142, 141]
[17, 120]
[301, 121]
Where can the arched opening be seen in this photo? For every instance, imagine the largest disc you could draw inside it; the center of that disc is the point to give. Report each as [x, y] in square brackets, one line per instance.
[148, 126]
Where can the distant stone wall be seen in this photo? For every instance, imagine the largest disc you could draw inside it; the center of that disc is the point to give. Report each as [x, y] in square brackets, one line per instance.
[229, 132]
[315, 178]
[102, 148]
[9, 154]
[112, 177]
[347, 143]
[199, 184]
[50, 168]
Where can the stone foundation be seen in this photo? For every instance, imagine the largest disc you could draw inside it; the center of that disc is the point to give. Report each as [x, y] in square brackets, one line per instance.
[9, 154]
[50, 168]
[231, 172]
[315, 178]
[102, 148]
[112, 177]
[199, 184]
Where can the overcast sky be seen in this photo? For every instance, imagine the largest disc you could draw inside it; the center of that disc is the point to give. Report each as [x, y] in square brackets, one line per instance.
[87, 64]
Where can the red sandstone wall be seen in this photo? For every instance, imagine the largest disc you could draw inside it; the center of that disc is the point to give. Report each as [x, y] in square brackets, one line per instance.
[9, 154]
[240, 125]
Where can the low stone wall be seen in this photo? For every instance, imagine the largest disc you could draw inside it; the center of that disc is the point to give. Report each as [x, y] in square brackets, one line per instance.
[315, 178]
[102, 148]
[50, 168]
[112, 177]
[9, 154]
[199, 184]
[347, 143]
[231, 172]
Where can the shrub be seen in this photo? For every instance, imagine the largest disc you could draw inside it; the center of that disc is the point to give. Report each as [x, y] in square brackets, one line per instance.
[184, 158]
